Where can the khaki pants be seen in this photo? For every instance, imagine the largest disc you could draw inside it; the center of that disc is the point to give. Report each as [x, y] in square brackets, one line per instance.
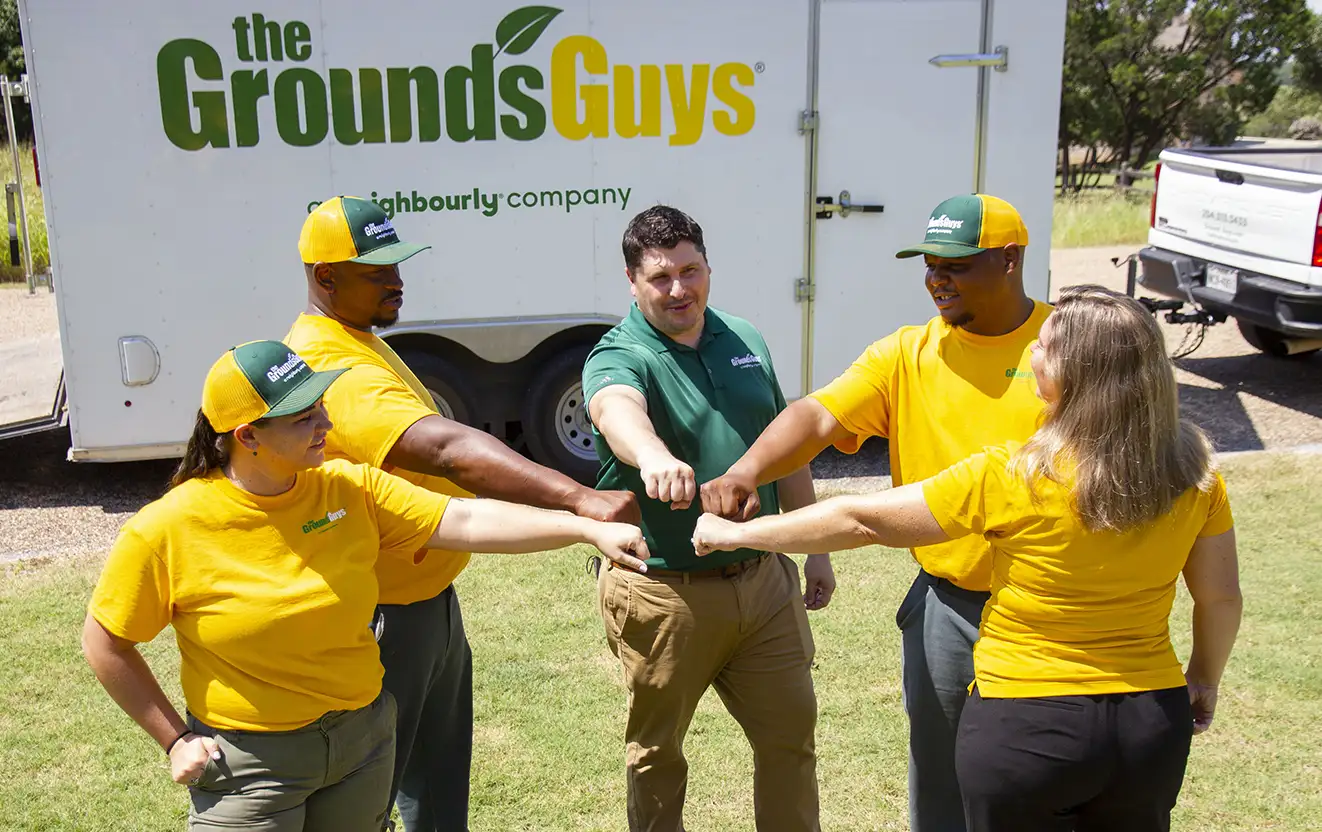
[330, 776]
[748, 635]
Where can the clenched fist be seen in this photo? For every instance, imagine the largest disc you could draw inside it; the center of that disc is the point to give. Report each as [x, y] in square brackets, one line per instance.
[608, 506]
[715, 534]
[731, 496]
[668, 480]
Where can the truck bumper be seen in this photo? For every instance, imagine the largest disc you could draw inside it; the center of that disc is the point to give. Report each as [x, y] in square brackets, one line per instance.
[1283, 306]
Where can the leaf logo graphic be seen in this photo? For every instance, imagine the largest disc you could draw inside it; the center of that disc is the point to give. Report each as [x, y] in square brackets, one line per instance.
[522, 27]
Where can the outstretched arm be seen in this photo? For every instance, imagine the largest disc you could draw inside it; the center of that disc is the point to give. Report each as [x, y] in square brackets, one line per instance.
[496, 526]
[896, 518]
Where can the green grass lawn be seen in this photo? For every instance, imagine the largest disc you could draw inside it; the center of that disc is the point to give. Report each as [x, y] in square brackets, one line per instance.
[550, 705]
[36, 215]
[1101, 217]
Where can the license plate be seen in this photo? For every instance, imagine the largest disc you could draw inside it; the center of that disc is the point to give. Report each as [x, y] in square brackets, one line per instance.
[1222, 279]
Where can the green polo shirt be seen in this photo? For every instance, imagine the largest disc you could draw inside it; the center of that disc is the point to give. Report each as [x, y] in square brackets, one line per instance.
[707, 404]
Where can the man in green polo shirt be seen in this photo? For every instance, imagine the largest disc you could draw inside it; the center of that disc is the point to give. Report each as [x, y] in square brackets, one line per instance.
[677, 393]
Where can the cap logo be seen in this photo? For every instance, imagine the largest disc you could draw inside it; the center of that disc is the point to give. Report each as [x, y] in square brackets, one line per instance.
[943, 225]
[279, 371]
[379, 229]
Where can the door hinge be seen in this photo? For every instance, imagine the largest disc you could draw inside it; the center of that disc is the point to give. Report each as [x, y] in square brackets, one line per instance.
[804, 289]
[807, 121]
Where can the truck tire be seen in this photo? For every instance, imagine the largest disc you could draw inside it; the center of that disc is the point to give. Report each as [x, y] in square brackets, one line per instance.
[555, 417]
[1267, 341]
[445, 381]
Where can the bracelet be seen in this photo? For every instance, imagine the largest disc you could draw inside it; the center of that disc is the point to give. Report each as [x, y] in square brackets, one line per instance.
[175, 742]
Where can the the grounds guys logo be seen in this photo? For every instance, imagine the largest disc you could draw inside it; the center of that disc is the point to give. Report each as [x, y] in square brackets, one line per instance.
[205, 103]
[322, 522]
[943, 225]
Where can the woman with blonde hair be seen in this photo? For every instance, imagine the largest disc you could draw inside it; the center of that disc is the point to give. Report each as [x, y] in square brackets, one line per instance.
[1080, 715]
[261, 558]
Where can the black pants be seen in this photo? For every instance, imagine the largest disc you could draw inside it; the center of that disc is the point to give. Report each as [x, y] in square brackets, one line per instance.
[1083, 763]
[429, 671]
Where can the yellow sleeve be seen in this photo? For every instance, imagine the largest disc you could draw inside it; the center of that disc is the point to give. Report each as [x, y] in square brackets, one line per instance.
[1219, 518]
[860, 397]
[371, 408]
[406, 514]
[957, 497]
[132, 598]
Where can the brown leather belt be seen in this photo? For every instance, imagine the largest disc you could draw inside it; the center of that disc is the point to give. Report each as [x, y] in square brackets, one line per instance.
[727, 571]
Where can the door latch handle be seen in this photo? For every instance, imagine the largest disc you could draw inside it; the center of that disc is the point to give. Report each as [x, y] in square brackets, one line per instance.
[827, 207]
[998, 59]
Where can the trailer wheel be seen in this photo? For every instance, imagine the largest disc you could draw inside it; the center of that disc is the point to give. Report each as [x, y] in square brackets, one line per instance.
[1269, 342]
[555, 417]
[445, 381]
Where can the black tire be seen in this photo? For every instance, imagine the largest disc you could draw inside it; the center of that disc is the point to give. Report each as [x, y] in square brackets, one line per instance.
[557, 438]
[445, 380]
[1267, 341]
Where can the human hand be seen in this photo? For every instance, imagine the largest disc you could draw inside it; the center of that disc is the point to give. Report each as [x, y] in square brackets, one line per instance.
[669, 480]
[188, 758]
[623, 543]
[608, 506]
[715, 534]
[1202, 698]
[731, 496]
[818, 582]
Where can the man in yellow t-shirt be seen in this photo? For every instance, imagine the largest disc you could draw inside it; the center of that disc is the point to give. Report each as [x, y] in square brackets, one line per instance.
[385, 417]
[938, 392]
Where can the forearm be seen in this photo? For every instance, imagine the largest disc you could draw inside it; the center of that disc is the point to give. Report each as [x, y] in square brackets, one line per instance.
[507, 528]
[796, 490]
[124, 674]
[820, 528]
[479, 462]
[790, 442]
[628, 431]
[1215, 626]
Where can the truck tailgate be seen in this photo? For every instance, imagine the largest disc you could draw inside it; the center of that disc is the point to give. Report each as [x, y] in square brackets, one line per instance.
[1267, 212]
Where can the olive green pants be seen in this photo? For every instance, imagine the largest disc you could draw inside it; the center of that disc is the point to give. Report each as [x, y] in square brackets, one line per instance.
[332, 775]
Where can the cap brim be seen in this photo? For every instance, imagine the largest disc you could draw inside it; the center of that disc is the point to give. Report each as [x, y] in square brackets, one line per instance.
[390, 255]
[305, 395]
[939, 249]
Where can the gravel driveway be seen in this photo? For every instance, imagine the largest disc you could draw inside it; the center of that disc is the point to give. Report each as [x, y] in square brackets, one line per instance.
[49, 508]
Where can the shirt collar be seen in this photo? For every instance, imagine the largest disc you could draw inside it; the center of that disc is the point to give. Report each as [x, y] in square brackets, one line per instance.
[712, 327]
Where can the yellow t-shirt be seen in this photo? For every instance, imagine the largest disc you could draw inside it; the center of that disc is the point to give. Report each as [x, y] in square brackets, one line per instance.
[371, 406]
[940, 393]
[1071, 611]
[270, 598]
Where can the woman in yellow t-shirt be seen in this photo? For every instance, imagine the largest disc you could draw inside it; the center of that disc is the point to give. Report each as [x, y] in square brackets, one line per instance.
[1080, 715]
[261, 559]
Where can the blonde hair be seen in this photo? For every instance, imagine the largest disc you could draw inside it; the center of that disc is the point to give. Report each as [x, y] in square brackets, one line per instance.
[1114, 431]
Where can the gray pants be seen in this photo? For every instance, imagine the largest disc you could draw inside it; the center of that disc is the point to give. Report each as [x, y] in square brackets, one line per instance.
[330, 776]
[429, 669]
[938, 624]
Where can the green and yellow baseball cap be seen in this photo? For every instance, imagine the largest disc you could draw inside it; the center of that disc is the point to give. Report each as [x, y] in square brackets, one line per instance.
[970, 224]
[260, 380]
[353, 229]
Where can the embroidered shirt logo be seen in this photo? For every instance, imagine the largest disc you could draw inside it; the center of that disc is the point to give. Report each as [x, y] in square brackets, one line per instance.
[323, 522]
[749, 360]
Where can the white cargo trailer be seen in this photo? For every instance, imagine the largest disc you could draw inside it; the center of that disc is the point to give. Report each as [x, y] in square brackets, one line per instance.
[181, 145]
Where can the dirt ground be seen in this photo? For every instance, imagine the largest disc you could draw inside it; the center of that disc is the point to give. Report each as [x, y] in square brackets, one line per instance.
[49, 507]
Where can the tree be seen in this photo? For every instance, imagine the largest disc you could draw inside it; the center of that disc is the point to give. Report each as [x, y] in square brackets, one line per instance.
[1141, 74]
[13, 65]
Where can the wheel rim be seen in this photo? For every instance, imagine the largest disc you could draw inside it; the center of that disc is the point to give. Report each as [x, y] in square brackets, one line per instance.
[572, 426]
[442, 404]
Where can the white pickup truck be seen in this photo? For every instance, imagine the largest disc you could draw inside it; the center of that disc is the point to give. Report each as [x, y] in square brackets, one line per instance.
[1237, 232]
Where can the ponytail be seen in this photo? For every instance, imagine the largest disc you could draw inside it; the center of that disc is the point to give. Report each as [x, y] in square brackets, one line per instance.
[205, 453]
